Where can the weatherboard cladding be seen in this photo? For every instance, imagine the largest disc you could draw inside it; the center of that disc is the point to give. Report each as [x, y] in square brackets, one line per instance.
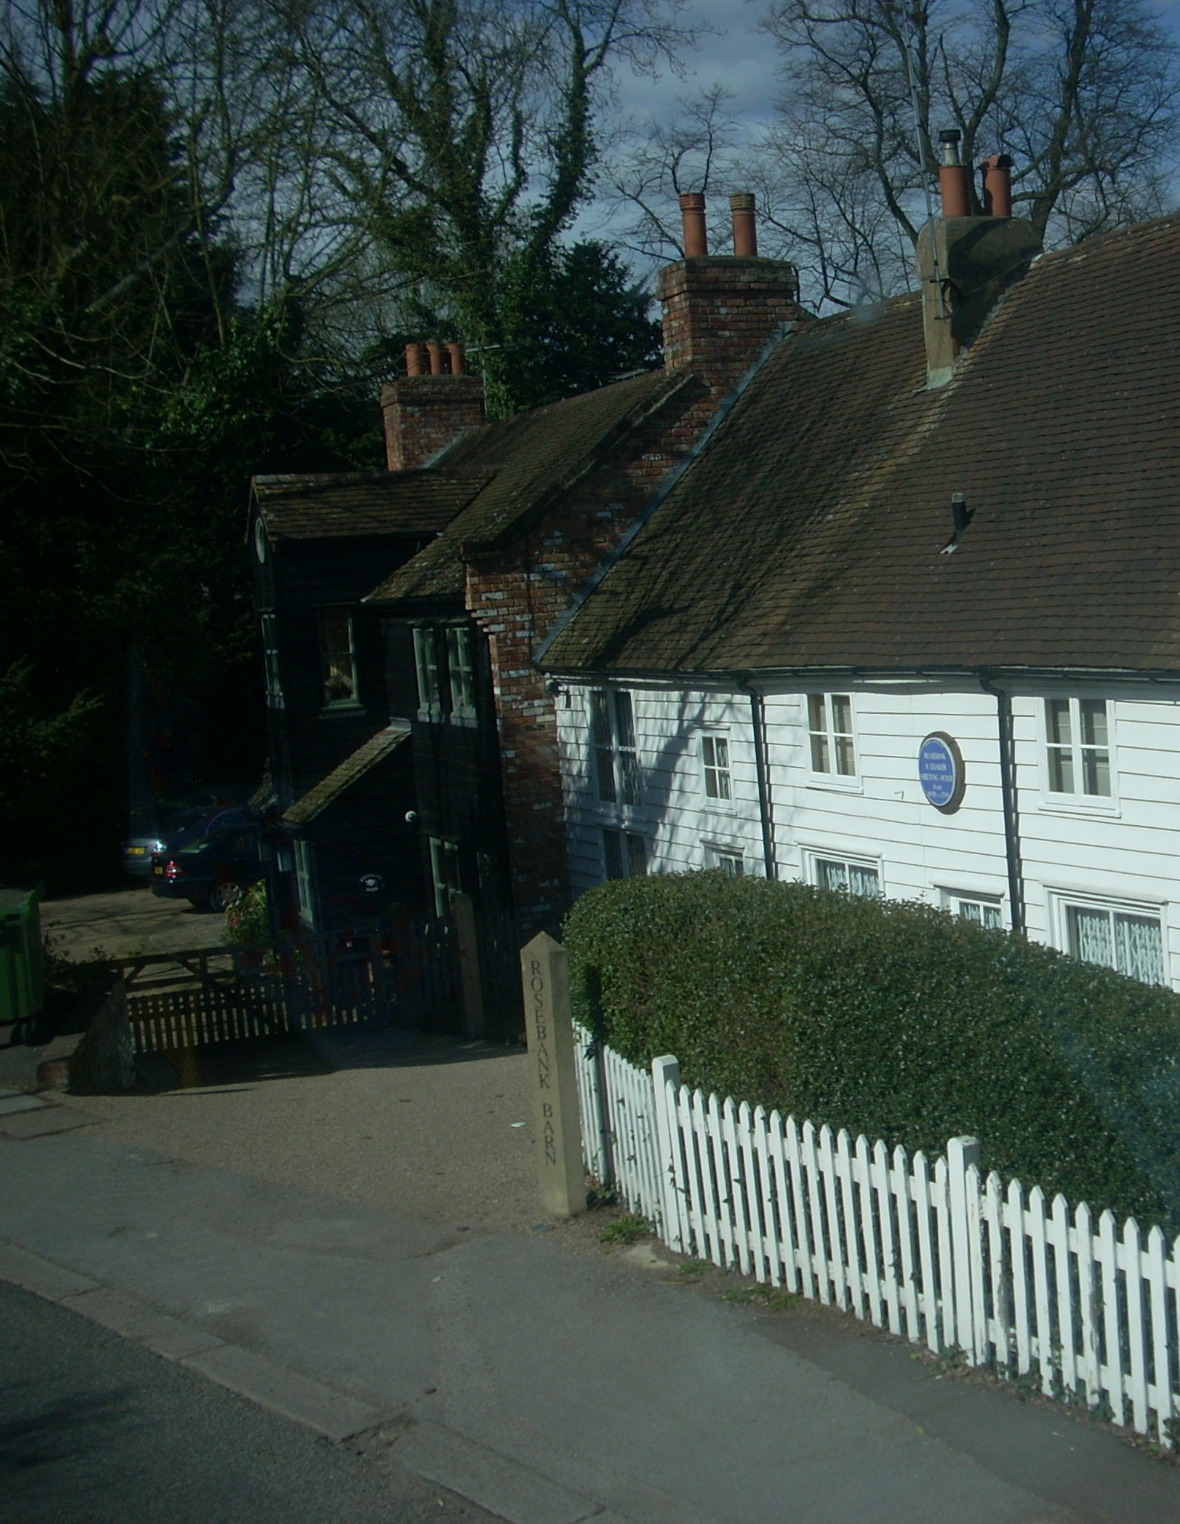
[528, 459]
[812, 530]
[363, 503]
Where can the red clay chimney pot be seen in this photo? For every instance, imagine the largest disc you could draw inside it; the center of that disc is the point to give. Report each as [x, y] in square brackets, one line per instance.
[415, 360]
[458, 363]
[435, 350]
[692, 217]
[745, 228]
[953, 186]
[997, 185]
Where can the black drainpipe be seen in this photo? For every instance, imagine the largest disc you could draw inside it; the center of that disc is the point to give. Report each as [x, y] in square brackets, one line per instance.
[1011, 801]
[758, 722]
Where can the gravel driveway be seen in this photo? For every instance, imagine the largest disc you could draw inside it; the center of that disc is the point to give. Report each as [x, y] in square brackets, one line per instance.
[434, 1126]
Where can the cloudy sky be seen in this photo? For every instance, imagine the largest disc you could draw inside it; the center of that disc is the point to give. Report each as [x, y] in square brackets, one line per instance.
[743, 58]
[735, 53]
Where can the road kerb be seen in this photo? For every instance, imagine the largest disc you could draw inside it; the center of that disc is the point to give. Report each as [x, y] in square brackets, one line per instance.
[493, 1481]
[334, 1414]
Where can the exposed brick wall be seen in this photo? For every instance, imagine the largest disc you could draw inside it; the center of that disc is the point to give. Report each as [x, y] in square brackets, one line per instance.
[719, 312]
[518, 596]
[424, 413]
[719, 315]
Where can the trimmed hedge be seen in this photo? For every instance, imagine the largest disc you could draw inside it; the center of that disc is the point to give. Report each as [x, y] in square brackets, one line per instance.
[895, 1020]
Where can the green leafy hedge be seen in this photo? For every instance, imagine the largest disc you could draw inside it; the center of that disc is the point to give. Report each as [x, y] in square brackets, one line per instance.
[895, 1020]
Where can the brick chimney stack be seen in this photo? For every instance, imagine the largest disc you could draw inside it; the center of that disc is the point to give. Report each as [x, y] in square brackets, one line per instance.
[430, 406]
[721, 310]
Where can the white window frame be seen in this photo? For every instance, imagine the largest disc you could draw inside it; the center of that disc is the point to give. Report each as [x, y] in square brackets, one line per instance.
[1078, 753]
[816, 858]
[338, 664]
[830, 748]
[461, 670]
[625, 850]
[716, 770]
[426, 668]
[617, 775]
[270, 660]
[305, 882]
[731, 859]
[1063, 902]
[956, 901]
[444, 872]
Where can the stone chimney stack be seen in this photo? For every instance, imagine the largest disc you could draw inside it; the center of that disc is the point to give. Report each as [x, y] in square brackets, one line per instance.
[721, 310]
[430, 406]
[966, 263]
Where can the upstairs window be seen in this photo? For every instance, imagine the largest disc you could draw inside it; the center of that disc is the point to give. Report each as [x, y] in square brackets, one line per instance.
[337, 657]
[715, 756]
[829, 720]
[270, 657]
[616, 763]
[1077, 740]
[461, 671]
[426, 665]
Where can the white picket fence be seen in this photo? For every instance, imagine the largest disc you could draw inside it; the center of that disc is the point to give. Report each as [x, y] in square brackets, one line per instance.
[934, 1251]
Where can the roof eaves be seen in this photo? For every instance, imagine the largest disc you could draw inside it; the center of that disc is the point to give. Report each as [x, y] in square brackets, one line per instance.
[362, 761]
[605, 445]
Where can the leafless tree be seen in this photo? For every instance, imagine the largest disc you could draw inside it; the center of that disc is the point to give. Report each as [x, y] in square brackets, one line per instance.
[1082, 93]
[462, 134]
[659, 157]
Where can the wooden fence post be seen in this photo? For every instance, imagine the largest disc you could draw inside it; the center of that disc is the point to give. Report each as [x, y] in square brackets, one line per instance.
[961, 1154]
[665, 1073]
[544, 969]
[463, 911]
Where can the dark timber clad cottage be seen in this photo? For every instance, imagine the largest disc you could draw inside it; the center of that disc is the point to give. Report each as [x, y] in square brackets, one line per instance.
[532, 506]
[338, 772]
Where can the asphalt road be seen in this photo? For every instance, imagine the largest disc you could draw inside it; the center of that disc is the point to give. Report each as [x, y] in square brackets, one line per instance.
[94, 1430]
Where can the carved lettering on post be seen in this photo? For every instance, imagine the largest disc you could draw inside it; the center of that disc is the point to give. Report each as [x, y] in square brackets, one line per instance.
[553, 1076]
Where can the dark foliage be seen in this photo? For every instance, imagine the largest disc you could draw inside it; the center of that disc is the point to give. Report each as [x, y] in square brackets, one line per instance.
[893, 1020]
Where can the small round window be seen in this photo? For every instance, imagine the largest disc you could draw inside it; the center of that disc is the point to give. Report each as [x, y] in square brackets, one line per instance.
[260, 538]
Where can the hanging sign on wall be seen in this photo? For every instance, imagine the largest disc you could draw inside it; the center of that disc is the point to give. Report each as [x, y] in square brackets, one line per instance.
[941, 772]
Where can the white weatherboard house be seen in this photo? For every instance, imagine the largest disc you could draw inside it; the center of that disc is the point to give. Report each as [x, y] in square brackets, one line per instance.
[912, 627]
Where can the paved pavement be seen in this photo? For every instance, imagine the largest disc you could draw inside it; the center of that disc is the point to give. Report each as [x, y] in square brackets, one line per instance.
[349, 1236]
[530, 1371]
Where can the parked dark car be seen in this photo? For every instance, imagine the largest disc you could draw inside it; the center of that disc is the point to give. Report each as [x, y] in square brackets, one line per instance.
[173, 830]
[223, 854]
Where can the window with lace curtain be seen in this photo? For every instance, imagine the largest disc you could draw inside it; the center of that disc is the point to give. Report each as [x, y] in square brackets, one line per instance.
[1123, 938]
[846, 874]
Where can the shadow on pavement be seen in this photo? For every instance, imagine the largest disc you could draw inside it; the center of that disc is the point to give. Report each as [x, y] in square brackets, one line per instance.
[252, 1061]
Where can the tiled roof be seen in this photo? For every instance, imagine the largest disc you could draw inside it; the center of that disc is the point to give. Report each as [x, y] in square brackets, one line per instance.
[350, 771]
[533, 457]
[811, 531]
[359, 503]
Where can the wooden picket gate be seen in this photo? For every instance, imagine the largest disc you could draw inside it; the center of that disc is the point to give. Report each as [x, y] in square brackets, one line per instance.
[934, 1251]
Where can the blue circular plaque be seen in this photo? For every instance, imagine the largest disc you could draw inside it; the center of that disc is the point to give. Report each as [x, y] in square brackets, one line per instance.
[941, 772]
